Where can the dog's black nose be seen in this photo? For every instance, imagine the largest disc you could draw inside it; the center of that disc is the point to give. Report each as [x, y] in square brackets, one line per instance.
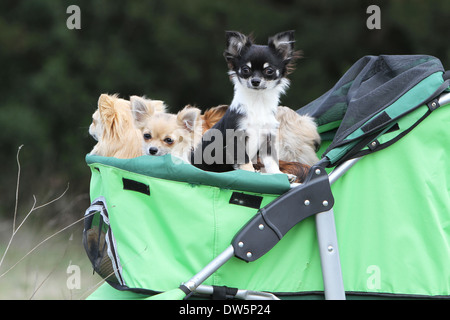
[256, 82]
[153, 150]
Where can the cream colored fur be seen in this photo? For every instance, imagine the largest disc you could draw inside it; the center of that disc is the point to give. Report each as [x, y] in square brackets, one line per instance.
[298, 138]
[165, 133]
[113, 127]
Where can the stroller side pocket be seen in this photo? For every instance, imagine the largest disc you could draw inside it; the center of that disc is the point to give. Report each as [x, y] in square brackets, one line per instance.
[99, 242]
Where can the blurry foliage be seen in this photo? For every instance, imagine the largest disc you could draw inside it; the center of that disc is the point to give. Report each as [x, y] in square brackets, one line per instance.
[51, 76]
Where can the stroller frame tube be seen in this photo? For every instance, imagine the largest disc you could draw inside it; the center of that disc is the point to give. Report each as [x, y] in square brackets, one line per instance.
[329, 256]
[328, 244]
[444, 99]
[340, 170]
[207, 271]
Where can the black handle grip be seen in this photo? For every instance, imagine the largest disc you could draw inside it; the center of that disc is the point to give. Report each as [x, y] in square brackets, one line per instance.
[273, 221]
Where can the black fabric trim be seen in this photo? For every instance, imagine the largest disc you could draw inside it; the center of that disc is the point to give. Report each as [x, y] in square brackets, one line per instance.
[133, 185]
[381, 119]
[185, 289]
[246, 200]
[114, 254]
[293, 295]
[373, 145]
[393, 128]
[360, 153]
[433, 104]
[356, 294]
[120, 287]
[223, 293]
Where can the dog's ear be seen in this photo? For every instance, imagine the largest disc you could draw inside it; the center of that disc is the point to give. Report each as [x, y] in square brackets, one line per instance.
[106, 108]
[108, 115]
[236, 44]
[141, 110]
[156, 105]
[283, 44]
[189, 118]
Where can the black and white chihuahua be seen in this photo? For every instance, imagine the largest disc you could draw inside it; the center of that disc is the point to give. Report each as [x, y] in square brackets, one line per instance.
[249, 128]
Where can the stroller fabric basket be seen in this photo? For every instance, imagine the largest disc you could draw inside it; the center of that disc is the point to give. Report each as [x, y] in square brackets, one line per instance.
[163, 231]
[154, 223]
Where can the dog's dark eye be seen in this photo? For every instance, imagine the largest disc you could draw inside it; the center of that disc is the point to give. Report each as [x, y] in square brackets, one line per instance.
[245, 71]
[168, 140]
[147, 136]
[269, 71]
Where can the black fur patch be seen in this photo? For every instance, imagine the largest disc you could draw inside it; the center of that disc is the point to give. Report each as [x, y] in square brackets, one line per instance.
[230, 121]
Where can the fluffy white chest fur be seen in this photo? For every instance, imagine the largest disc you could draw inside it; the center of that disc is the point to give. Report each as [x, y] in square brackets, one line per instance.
[259, 107]
[259, 110]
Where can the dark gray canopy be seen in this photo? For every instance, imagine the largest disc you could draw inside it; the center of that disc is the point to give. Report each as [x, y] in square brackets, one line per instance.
[370, 86]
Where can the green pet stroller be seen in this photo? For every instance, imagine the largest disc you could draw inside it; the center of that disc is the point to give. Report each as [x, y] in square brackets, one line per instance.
[158, 229]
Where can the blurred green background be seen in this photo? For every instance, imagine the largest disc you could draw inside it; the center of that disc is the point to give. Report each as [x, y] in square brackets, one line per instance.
[51, 76]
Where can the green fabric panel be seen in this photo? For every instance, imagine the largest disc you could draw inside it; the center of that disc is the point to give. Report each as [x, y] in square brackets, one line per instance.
[168, 167]
[293, 265]
[337, 153]
[329, 126]
[404, 123]
[155, 232]
[392, 215]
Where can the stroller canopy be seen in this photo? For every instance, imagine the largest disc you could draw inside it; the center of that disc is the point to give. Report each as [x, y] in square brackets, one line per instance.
[371, 96]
